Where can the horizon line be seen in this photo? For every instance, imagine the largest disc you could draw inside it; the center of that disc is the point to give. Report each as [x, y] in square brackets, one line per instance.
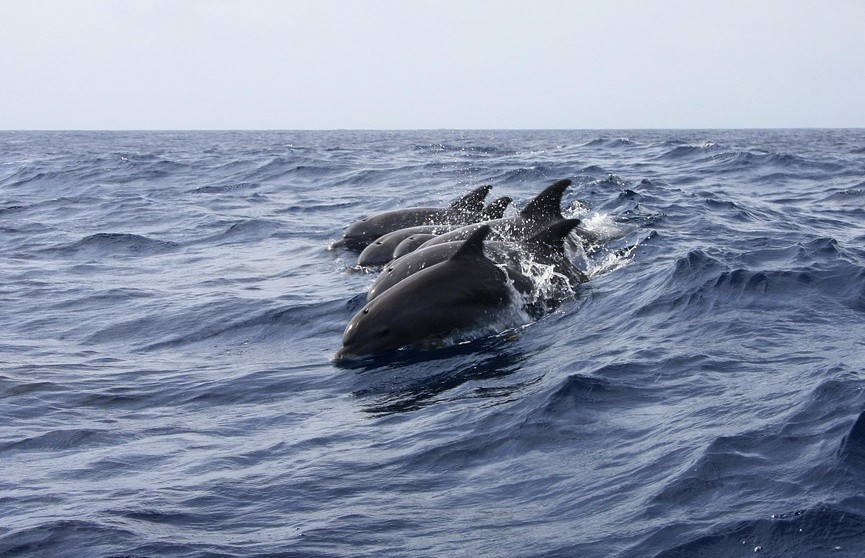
[590, 129]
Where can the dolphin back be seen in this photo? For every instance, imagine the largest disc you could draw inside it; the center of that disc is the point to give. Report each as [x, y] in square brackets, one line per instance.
[473, 202]
[546, 206]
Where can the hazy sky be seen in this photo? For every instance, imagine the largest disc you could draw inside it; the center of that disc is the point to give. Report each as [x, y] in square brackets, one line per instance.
[387, 64]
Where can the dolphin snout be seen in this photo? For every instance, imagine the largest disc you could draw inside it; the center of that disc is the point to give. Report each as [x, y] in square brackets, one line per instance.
[344, 354]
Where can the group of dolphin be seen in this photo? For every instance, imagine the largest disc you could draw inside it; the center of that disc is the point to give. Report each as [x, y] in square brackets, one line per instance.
[449, 271]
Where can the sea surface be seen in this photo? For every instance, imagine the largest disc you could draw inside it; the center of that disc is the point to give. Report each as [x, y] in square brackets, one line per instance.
[169, 309]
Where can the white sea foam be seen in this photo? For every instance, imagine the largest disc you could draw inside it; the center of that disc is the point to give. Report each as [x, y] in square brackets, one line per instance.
[610, 261]
[604, 226]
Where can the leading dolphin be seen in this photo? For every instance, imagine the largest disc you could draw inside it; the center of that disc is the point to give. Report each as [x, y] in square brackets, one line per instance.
[458, 295]
[465, 210]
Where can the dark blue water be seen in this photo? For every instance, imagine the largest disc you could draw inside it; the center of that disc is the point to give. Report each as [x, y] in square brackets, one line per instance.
[170, 308]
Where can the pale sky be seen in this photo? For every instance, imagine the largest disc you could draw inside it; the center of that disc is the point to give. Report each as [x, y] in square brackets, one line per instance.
[404, 64]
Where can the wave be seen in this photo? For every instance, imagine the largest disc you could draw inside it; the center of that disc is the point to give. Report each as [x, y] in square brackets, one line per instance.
[282, 167]
[688, 152]
[847, 195]
[107, 169]
[12, 208]
[25, 177]
[529, 175]
[815, 271]
[853, 446]
[751, 161]
[118, 244]
[594, 170]
[820, 531]
[610, 180]
[611, 142]
[244, 231]
[60, 440]
[468, 149]
[225, 188]
[144, 167]
[10, 387]
[735, 474]
[67, 537]
[765, 167]
[589, 397]
[226, 321]
[641, 216]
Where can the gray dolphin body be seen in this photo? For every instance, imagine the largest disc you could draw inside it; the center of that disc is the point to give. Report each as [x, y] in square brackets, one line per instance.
[545, 248]
[496, 208]
[465, 210]
[411, 244]
[543, 210]
[381, 251]
[460, 294]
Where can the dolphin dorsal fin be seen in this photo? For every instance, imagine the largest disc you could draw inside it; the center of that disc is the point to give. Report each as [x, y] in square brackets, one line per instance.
[554, 235]
[547, 206]
[496, 209]
[474, 200]
[473, 247]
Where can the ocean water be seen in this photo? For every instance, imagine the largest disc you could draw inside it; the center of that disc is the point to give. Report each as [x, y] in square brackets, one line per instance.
[170, 309]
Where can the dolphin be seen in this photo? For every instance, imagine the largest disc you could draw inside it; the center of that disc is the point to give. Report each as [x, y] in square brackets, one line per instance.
[496, 208]
[465, 210]
[544, 209]
[545, 248]
[458, 295]
[548, 248]
[382, 249]
[411, 244]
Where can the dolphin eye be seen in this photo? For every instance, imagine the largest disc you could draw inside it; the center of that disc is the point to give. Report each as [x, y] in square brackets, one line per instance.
[382, 332]
[366, 310]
